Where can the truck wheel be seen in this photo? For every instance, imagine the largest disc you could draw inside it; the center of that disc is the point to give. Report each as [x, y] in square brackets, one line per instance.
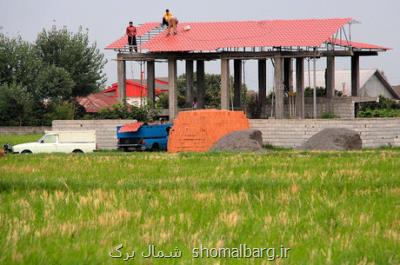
[26, 152]
[77, 151]
[155, 148]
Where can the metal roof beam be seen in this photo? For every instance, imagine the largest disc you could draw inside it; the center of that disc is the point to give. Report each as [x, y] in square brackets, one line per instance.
[234, 55]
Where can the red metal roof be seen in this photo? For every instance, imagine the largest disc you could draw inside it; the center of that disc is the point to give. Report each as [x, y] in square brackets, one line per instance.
[133, 89]
[141, 30]
[210, 36]
[357, 45]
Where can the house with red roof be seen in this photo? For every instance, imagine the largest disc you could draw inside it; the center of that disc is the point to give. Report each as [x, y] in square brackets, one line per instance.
[136, 95]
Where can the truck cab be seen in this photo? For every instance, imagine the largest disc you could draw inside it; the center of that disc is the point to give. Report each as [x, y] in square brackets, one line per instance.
[143, 137]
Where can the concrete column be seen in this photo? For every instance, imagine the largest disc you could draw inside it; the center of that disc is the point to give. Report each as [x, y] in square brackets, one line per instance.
[172, 89]
[288, 74]
[151, 85]
[279, 88]
[300, 87]
[237, 83]
[355, 75]
[189, 83]
[201, 84]
[330, 77]
[225, 84]
[262, 86]
[121, 72]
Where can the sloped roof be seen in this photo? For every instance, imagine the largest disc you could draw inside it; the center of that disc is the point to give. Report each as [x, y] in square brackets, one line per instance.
[397, 89]
[95, 102]
[211, 36]
[343, 80]
[140, 31]
[358, 45]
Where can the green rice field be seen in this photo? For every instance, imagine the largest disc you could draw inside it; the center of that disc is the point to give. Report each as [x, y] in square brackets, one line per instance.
[275, 207]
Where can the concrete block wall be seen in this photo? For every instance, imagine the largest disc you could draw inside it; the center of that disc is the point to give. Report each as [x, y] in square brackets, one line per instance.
[343, 108]
[105, 130]
[293, 133]
[23, 129]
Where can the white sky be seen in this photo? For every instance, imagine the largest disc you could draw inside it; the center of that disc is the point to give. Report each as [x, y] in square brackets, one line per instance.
[106, 21]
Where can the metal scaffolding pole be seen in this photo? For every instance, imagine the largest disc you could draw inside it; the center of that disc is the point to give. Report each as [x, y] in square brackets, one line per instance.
[315, 89]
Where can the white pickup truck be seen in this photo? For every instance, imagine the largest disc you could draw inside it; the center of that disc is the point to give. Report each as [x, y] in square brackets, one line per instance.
[58, 142]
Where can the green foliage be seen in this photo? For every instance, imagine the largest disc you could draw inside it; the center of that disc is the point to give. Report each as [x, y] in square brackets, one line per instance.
[59, 66]
[379, 113]
[16, 105]
[162, 102]
[213, 91]
[73, 52]
[54, 84]
[19, 63]
[321, 92]
[120, 111]
[384, 108]
[60, 111]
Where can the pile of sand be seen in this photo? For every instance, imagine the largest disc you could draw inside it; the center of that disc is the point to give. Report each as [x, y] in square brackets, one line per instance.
[244, 140]
[334, 139]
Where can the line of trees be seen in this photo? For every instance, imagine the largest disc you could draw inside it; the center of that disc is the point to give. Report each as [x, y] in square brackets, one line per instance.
[39, 81]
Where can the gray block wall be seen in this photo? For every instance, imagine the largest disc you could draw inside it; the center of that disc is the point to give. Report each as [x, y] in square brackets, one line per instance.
[293, 133]
[23, 129]
[342, 107]
[105, 130]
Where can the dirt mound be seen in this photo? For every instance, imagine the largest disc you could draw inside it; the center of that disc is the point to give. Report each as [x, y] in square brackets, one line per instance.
[246, 140]
[334, 139]
[198, 131]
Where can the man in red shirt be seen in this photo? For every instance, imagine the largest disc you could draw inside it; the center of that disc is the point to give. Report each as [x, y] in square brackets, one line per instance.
[131, 32]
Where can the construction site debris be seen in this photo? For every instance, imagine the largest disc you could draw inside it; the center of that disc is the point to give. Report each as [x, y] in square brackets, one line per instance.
[245, 140]
[334, 139]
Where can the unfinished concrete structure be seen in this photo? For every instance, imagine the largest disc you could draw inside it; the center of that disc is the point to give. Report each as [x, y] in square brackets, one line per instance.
[284, 42]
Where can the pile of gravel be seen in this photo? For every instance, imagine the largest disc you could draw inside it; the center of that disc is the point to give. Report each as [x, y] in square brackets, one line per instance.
[246, 140]
[334, 139]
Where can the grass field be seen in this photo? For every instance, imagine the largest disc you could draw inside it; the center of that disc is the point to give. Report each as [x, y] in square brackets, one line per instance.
[328, 208]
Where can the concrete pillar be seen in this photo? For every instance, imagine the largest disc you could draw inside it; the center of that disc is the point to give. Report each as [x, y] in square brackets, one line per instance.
[355, 75]
[172, 89]
[189, 83]
[225, 84]
[300, 87]
[279, 88]
[330, 77]
[121, 72]
[288, 74]
[262, 86]
[151, 85]
[201, 84]
[237, 84]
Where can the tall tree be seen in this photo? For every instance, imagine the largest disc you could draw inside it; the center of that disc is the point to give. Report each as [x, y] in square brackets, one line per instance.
[16, 105]
[72, 51]
[19, 62]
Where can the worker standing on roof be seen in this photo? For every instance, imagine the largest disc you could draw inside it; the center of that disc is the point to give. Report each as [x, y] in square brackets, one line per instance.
[166, 18]
[172, 26]
[131, 32]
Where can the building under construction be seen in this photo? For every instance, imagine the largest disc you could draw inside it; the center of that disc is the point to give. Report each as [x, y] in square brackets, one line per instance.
[287, 43]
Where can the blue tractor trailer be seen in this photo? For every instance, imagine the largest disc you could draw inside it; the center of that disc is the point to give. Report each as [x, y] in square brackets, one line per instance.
[143, 137]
